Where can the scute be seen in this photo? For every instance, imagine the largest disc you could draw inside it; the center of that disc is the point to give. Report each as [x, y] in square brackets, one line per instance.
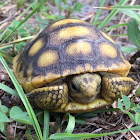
[68, 57]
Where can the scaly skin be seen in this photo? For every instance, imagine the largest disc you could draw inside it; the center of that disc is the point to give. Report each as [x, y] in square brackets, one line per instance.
[80, 92]
[114, 85]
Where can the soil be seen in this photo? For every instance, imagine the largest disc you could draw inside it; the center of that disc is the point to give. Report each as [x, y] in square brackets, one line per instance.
[104, 122]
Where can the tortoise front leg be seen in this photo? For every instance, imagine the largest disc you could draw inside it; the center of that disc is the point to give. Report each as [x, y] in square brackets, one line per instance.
[114, 85]
[49, 97]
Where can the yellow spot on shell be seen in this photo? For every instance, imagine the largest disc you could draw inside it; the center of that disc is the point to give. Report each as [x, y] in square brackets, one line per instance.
[36, 47]
[64, 34]
[66, 21]
[107, 50]
[80, 47]
[70, 32]
[106, 36]
[47, 58]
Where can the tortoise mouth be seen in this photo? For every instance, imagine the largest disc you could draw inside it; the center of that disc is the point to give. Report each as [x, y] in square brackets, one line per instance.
[84, 100]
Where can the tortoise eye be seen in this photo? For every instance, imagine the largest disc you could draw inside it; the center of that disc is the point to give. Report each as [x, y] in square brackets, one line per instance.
[75, 88]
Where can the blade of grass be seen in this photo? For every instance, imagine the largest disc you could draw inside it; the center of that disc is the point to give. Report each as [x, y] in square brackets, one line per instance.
[42, 3]
[138, 90]
[98, 13]
[24, 99]
[95, 112]
[46, 125]
[7, 57]
[126, 7]
[17, 41]
[119, 35]
[71, 123]
[112, 14]
[132, 14]
[115, 26]
[6, 47]
[8, 90]
[5, 3]
[22, 14]
[87, 136]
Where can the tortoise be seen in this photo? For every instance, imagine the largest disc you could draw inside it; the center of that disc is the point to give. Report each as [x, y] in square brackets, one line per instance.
[72, 66]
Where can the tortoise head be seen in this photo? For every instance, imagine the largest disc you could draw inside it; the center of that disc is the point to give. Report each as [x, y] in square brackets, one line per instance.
[84, 88]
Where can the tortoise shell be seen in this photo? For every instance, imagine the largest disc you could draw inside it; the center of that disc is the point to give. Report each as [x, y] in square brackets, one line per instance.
[67, 47]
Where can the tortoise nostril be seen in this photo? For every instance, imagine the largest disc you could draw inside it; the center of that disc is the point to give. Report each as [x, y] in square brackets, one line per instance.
[85, 80]
[90, 79]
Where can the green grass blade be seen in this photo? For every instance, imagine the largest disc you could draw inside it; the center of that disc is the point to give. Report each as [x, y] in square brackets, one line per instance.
[46, 125]
[88, 136]
[98, 13]
[16, 41]
[112, 14]
[5, 54]
[126, 7]
[133, 32]
[42, 3]
[5, 3]
[6, 47]
[138, 90]
[24, 99]
[3, 34]
[7, 57]
[127, 49]
[8, 90]
[119, 35]
[71, 123]
[115, 26]
[132, 14]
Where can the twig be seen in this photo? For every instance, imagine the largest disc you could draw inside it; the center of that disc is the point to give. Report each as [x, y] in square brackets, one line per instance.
[137, 138]
[118, 138]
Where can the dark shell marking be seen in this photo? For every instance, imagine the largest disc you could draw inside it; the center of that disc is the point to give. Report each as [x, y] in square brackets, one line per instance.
[64, 48]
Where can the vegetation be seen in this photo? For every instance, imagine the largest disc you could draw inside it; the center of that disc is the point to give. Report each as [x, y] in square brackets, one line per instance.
[14, 38]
